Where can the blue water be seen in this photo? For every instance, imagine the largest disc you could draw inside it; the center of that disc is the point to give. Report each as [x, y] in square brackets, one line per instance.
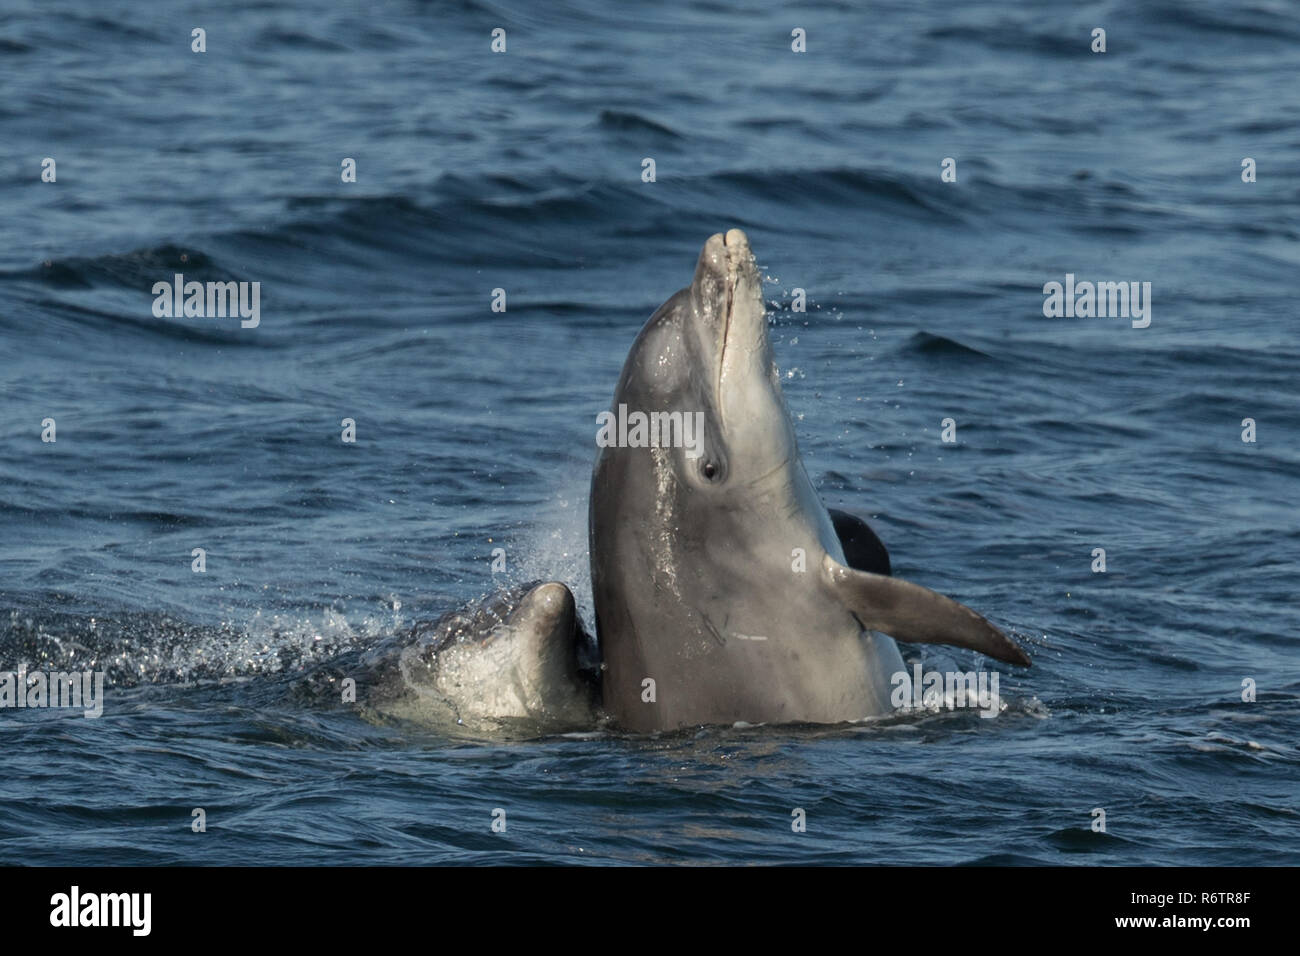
[475, 429]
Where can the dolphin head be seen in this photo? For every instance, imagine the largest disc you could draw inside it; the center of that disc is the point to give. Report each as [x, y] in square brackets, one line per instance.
[706, 352]
[754, 434]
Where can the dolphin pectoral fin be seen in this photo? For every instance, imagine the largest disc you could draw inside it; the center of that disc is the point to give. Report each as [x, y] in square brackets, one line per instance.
[915, 615]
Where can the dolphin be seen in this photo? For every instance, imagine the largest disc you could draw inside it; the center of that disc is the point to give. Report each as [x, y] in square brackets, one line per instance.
[516, 663]
[721, 585]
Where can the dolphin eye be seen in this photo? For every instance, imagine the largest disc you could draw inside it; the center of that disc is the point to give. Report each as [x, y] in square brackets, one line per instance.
[709, 470]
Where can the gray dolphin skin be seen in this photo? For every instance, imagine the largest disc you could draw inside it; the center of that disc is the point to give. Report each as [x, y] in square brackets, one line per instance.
[508, 665]
[717, 573]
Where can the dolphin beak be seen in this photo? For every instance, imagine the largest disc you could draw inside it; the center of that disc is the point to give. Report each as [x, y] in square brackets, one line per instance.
[726, 297]
[742, 275]
[724, 276]
[745, 348]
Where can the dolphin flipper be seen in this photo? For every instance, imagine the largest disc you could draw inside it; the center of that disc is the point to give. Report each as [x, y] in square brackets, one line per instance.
[863, 551]
[916, 615]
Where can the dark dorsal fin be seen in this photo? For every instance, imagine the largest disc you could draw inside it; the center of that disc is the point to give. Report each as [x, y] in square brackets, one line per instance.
[863, 551]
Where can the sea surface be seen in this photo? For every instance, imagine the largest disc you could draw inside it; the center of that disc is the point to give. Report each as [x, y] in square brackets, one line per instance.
[476, 429]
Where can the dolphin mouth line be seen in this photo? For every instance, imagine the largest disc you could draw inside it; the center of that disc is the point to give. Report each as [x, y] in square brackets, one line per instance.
[727, 307]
